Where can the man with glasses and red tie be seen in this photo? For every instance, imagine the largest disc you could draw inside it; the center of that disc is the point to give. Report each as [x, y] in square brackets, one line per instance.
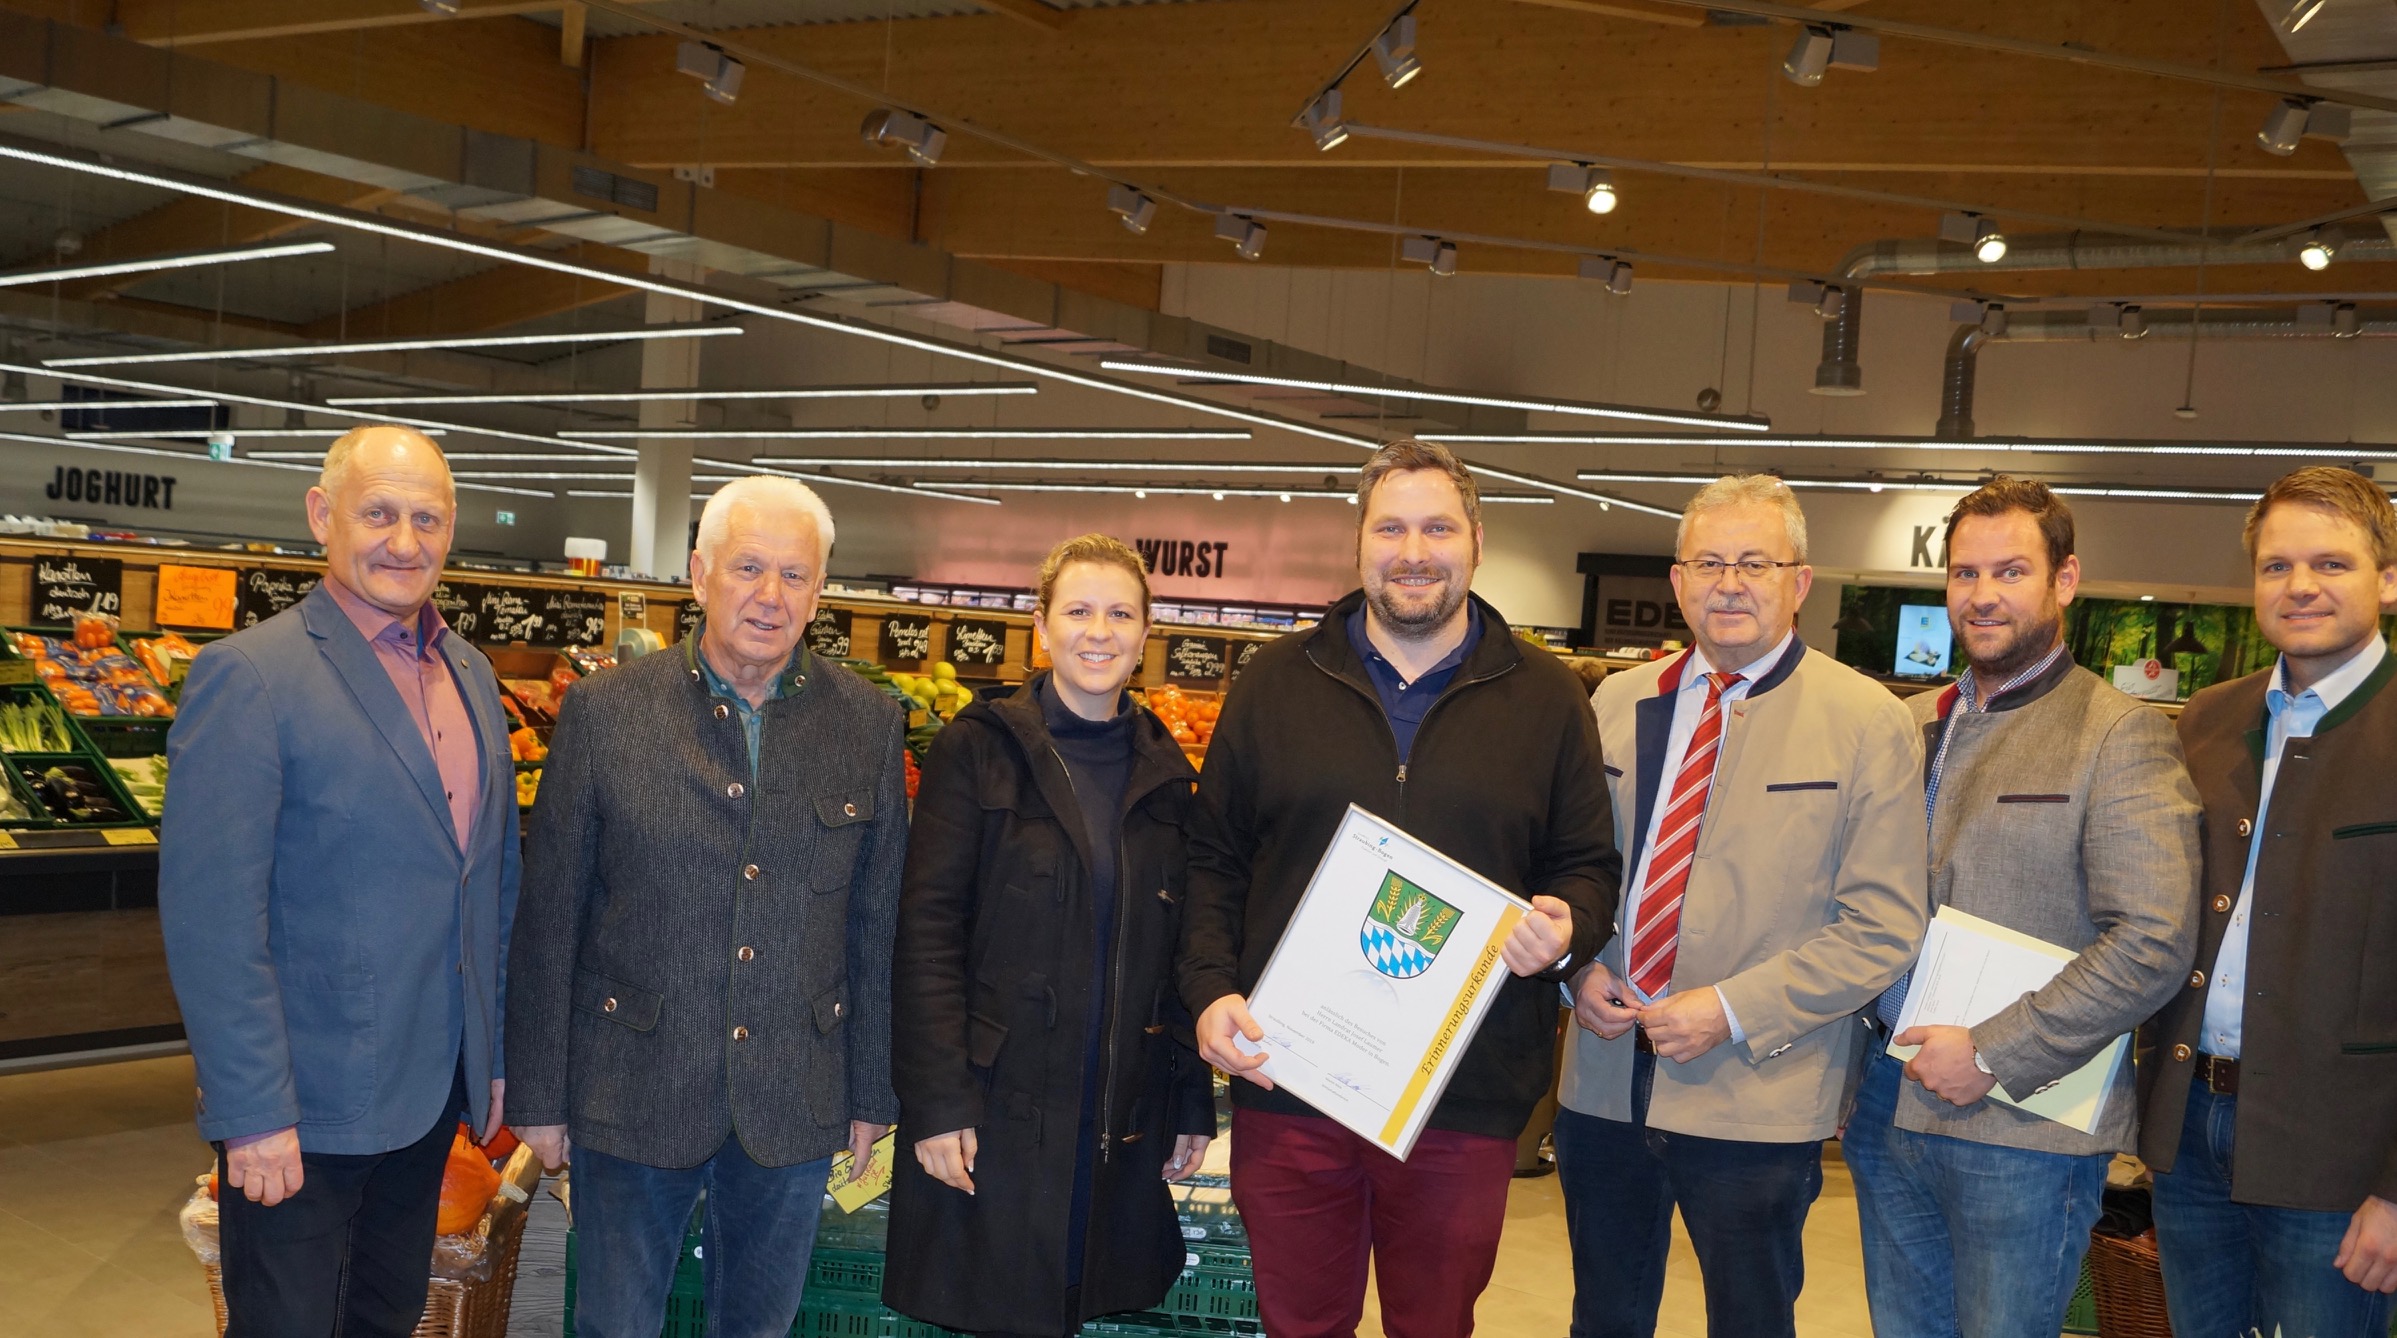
[1769, 800]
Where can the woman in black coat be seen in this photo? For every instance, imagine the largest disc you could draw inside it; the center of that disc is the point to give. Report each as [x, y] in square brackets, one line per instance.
[1047, 1084]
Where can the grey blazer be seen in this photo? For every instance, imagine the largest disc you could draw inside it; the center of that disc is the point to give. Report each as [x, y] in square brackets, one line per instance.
[700, 949]
[2066, 814]
[335, 954]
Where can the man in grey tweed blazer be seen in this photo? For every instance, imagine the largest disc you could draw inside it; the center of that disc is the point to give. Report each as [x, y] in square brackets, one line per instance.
[2059, 808]
[700, 977]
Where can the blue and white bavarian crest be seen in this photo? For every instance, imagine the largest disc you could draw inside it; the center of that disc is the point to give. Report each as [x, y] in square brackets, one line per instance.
[1405, 928]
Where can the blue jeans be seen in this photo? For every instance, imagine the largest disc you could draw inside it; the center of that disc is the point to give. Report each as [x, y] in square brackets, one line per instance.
[1964, 1239]
[2232, 1267]
[759, 1229]
[1744, 1204]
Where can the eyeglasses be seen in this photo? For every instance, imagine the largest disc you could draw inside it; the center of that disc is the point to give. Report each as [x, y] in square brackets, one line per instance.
[1754, 569]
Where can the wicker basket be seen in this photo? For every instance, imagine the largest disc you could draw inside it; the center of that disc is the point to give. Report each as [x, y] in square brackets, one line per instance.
[2129, 1279]
[451, 1309]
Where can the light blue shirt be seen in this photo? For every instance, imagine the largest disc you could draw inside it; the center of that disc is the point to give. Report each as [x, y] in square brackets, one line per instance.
[2293, 717]
[1689, 704]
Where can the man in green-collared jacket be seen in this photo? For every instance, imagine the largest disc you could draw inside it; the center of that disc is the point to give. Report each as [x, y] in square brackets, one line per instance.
[703, 957]
[2283, 1045]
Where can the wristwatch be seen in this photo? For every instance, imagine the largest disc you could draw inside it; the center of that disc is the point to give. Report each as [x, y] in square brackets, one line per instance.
[1983, 1064]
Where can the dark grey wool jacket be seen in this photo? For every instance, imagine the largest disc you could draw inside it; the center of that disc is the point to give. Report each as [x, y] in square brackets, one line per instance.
[698, 953]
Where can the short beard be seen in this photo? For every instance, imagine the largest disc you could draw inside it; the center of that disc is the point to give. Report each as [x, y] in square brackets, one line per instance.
[2028, 649]
[1410, 626]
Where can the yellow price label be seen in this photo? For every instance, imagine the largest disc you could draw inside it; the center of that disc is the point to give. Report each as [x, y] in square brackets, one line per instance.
[129, 836]
[7, 841]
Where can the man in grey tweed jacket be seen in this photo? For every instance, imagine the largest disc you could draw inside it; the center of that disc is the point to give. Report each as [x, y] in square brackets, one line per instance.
[699, 989]
[2059, 808]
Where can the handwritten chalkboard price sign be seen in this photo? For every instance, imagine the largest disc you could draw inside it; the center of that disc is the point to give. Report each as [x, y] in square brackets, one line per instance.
[907, 638]
[980, 642]
[1195, 659]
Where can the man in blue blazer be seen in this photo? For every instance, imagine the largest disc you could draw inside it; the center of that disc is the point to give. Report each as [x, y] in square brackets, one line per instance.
[336, 877]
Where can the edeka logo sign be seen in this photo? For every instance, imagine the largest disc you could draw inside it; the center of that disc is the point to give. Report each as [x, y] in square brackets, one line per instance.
[110, 487]
[1183, 557]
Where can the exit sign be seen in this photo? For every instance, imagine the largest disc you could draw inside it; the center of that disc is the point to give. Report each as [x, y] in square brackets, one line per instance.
[507, 517]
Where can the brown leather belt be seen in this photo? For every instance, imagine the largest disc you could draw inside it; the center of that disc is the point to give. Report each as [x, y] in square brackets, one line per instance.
[2220, 1075]
[1640, 1041]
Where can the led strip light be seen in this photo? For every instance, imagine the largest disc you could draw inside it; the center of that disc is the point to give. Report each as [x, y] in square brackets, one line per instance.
[2226, 450]
[960, 390]
[1063, 466]
[1180, 490]
[74, 406]
[918, 434]
[130, 449]
[1635, 412]
[2119, 491]
[180, 260]
[400, 346]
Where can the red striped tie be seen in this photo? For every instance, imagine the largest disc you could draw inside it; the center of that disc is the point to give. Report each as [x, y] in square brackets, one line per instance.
[1658, 933]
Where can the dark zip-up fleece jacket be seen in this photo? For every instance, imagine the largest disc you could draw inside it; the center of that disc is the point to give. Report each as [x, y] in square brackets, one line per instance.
[994, 991]
[1505, 777]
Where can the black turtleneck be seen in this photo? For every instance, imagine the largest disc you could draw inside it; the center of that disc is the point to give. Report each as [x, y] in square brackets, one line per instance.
[1098, 758]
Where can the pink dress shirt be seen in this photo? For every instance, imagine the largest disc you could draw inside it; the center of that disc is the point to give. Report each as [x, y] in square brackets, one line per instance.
[418, 663]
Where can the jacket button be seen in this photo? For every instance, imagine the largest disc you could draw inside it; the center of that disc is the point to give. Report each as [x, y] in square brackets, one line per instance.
[840, 1010]
[736, 789]
[2222, 901]
[746, 953]
[2180, 1054]
[2245, 826]
[608, 1007]
[722, 711]
[798, 680]
[848, 810]
[694, 675]
[750, 873]
[1135, 1137]
[1153, 1029]
[2196, 978]
[740, 1033]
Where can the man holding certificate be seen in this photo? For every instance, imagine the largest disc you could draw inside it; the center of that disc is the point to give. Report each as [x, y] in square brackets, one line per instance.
[1771, 801]
[2058, 809]
[1412, 717]
[2270, 1101]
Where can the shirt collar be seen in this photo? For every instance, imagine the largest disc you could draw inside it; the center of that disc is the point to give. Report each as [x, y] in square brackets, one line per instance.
[717, 686]
[1367, 652]
[1700, 666]
[1967, 684]
[377, 625]
[2334, 686]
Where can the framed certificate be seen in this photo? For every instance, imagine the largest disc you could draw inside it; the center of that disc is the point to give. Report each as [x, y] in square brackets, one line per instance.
[1387, 968]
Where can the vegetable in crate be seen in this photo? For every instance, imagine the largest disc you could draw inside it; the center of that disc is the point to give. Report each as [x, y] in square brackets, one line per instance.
[34, 727]
[71, 792]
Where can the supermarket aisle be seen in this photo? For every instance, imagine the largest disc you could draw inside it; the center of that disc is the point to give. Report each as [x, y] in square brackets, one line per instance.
[95, 1162]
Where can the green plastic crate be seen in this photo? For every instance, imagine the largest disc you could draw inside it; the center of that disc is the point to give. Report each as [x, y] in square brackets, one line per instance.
[2081, 1315]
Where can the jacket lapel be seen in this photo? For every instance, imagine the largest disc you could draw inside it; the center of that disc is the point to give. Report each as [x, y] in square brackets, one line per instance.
[337, 638]
[1653, 717]
[491, 735]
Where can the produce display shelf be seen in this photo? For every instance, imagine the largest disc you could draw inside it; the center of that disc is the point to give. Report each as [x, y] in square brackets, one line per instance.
[10, 654]
[24, 770]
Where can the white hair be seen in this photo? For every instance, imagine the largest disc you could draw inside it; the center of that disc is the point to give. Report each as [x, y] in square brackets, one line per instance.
[344, 452]
[1745, 490]
[764, 491]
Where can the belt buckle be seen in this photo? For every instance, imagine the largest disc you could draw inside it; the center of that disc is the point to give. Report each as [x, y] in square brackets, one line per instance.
[2221, 1075]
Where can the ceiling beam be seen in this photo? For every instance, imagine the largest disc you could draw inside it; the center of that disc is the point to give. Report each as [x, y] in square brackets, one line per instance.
[492, 299]
[573, 33]
[1032, 12]
[185, 23]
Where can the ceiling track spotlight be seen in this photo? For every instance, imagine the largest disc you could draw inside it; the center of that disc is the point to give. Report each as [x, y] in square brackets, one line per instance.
[2299, 14]
[923, 140]
[2284, 126]
[1808, 57]
[1615, 274]
[2318, 248]
[1595, 185]
[1246, 234]
[719, 75]
[1439, 255]
[448, 9]
[2134, 321]
[1394, 51]
[1137, 210]
[1322, 119]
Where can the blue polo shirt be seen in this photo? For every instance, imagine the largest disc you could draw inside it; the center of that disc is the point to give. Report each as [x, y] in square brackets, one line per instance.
[1403, 702]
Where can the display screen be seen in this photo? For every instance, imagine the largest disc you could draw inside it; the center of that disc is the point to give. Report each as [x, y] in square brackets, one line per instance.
[1924, 640]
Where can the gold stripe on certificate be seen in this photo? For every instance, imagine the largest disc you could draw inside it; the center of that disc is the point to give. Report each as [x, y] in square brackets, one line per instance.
[1482, 967]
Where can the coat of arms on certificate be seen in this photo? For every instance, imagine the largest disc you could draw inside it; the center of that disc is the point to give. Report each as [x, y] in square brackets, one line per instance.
[1405, 928]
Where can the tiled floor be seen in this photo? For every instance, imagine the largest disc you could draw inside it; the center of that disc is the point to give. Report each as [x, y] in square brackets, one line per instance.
[95, 1162]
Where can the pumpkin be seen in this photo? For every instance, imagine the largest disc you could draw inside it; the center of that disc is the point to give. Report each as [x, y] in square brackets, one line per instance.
[467, 1184]
[502, 1144]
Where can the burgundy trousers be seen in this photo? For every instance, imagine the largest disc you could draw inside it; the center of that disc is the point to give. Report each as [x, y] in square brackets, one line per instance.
[1317, 1199]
